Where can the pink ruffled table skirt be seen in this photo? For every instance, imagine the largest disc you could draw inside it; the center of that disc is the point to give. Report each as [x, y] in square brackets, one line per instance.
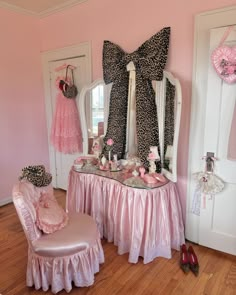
[141, 222]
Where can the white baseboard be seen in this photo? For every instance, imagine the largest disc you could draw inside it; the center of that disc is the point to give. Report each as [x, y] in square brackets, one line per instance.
[5, 201]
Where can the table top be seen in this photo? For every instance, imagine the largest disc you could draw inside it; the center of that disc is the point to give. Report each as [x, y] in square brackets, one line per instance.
[122, 176]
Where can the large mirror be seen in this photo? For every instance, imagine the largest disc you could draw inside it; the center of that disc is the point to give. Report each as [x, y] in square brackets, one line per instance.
[94, 108]
[169, 102]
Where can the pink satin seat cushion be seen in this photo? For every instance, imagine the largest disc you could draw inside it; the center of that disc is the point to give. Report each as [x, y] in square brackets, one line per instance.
[50, 216]
[79, 234]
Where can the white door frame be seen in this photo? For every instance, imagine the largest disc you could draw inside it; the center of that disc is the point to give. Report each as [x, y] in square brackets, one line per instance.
[82, 49]
[203, 23]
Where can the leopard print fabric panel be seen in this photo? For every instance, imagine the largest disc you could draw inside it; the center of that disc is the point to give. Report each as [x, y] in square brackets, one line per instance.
[149, 60]
[169, 117]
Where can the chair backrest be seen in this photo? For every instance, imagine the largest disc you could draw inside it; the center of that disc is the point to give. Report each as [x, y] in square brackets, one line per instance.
[25, 194]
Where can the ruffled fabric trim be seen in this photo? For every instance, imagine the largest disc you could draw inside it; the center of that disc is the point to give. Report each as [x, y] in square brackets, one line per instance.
[66, 134]
[60, 272]
[141, 222]
[50, 216]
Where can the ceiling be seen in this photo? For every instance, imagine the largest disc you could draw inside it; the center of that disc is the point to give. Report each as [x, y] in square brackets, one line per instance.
[38, 7]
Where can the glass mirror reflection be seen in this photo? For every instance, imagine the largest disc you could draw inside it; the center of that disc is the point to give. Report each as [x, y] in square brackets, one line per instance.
[169, 125]
[97, 111]
[94, 107]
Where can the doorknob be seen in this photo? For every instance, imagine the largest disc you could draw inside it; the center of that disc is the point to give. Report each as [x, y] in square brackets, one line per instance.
[209, 162]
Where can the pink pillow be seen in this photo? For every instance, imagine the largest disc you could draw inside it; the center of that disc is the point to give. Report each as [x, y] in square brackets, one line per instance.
[50, 216]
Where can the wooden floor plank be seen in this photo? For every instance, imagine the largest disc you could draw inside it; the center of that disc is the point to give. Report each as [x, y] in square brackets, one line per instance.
[117, 276]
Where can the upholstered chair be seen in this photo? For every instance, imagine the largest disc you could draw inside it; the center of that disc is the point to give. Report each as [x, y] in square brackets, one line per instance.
[55, 260]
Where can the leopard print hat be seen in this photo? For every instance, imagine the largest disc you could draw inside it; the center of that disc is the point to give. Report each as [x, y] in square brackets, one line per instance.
[37, 175]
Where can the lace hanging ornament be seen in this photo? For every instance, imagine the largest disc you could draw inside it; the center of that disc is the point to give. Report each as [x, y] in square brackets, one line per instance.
[224, 59]
[207, 184]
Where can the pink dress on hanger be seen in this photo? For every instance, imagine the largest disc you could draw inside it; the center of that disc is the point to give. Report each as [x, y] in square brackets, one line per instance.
[66, 135]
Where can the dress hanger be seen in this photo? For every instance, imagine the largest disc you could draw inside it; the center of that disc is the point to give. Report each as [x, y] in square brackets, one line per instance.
[64, 66]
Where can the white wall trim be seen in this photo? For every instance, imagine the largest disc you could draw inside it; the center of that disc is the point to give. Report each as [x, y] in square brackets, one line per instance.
[61, 7]
[17, 9]
[215, 11]
[44, 13]
[5, 201]
[203, 23]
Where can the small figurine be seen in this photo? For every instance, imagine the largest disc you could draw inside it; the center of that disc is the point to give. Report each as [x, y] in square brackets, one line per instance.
[110, 143]
[97, 147]
[115, 157]
[152, 165]
[142, 171]
[152, 157]
[103, 161]
[135, 173]
[113, 166]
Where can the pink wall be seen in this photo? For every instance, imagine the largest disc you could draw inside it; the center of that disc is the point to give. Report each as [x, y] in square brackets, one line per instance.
[23, 137]
[129, 24]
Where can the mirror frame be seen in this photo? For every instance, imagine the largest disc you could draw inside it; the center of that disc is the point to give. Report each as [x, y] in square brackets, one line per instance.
[86, 90]
[160, 89]
[160, 103]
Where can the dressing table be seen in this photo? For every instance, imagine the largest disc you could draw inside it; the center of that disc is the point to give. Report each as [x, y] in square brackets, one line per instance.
[139, 218]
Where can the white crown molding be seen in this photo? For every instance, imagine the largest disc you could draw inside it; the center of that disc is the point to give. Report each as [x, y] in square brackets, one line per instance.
[17, 9]
[45, 13]
[58, 8]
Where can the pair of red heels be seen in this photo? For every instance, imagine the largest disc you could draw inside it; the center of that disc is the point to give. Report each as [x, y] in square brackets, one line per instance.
[188, 260]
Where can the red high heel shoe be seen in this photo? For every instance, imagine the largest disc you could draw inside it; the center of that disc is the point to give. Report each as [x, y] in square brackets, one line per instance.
[193, 261]
[184, 261]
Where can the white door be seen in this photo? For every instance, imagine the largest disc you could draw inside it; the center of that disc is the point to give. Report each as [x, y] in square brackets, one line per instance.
[217, 227]
[65, 161]
[79, 56]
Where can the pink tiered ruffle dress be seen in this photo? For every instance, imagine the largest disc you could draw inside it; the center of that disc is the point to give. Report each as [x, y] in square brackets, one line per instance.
[66, 135]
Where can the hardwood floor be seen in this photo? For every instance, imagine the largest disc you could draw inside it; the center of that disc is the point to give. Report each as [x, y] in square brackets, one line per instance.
[117, 276]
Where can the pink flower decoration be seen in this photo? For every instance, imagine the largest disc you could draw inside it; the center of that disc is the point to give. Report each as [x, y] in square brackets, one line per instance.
[230, 70]
[46, 205]
[110, 142]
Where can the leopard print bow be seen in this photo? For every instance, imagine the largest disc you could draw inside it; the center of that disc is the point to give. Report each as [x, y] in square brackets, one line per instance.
[149, 60]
